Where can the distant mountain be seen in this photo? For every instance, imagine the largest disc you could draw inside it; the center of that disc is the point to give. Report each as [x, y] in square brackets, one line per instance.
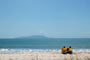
[38, 36]
[33, 37]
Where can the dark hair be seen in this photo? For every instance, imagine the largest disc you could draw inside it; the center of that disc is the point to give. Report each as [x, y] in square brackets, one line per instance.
[69, 46]
[64, 47]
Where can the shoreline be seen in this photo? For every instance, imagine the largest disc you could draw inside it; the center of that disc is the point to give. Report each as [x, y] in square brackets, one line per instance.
[7, 50]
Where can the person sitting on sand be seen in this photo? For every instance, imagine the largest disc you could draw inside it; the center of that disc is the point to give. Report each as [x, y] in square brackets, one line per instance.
[64, 50]
[69, 50]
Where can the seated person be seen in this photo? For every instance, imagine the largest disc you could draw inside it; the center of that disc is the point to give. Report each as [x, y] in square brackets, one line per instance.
[64, 50]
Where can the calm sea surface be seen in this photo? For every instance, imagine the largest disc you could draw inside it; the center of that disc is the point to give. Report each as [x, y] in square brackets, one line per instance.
[46, 43]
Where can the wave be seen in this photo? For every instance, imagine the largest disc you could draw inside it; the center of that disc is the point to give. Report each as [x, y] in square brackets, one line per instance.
[3, 50]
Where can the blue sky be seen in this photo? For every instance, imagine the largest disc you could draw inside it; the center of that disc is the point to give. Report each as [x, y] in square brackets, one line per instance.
[52, 18]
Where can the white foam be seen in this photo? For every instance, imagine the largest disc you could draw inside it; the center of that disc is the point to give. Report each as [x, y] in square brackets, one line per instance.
[38, 50]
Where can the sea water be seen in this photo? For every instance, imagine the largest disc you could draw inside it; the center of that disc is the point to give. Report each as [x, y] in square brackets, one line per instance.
[44, 44]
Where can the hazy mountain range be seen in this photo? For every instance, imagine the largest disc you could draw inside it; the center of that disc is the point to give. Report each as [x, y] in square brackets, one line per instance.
[33, 37]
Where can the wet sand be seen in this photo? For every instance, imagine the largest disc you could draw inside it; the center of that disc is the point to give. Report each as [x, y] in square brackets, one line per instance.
[45, 56]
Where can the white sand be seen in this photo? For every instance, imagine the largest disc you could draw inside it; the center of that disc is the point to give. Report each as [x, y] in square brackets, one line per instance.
[45, 56]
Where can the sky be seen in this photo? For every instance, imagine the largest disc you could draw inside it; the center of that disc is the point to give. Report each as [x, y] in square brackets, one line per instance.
[52, 18]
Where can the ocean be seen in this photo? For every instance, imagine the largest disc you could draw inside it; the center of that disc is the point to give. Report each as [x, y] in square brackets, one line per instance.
[44, 44]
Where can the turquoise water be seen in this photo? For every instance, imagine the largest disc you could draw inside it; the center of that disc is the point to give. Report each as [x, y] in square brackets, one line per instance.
[46, 43]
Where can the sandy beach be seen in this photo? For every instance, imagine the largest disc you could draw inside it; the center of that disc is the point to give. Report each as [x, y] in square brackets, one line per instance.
[45, 56]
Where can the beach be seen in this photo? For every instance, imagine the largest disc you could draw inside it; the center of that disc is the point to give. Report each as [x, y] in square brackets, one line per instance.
[55, 55]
